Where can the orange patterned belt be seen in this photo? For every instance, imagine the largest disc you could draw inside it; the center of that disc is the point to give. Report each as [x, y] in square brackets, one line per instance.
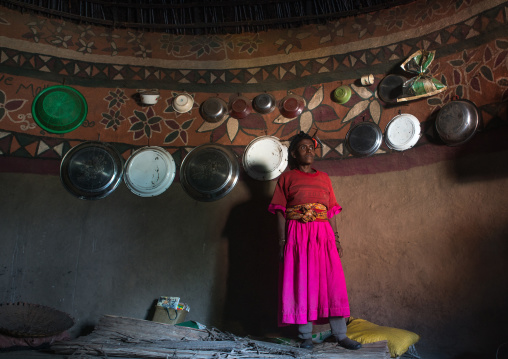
[307, 212]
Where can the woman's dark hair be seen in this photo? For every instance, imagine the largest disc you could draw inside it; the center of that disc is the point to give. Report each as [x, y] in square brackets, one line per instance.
[294, 143]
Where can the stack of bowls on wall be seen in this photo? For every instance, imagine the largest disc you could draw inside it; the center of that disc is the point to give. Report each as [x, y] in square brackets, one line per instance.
[402, 132]
[214, 109]
[149, 171]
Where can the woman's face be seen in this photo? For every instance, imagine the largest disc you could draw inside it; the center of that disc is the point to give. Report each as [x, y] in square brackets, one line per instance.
[304, 152]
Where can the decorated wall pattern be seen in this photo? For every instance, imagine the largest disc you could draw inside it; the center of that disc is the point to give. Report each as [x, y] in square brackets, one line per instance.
[109, 66]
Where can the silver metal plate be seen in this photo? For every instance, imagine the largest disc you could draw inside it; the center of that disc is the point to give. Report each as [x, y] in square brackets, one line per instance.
[91, 170]
[209, 172]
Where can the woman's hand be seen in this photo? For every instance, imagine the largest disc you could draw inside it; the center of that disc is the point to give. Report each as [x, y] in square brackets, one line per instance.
[282, 245]
[339, 248]
[281, 229]
[336, 234]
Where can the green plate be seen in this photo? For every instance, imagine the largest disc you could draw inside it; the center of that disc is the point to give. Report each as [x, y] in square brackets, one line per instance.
[59, 109]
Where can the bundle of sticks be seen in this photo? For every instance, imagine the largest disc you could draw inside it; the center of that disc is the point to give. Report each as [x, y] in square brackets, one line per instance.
[134, 338]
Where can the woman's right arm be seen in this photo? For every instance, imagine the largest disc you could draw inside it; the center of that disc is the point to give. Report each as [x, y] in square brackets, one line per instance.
[281, 232]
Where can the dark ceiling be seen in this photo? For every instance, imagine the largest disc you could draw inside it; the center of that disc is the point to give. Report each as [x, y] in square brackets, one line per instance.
[201, 17]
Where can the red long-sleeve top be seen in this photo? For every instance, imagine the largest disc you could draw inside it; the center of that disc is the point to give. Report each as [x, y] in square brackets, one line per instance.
[296, 187]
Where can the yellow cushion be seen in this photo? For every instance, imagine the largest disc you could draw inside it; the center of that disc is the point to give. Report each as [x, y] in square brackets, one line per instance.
[399, 340]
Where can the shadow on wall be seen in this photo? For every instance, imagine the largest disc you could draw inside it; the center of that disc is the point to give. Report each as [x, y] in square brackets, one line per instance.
[251, 296]
[478, 251]
[150, 312]
[482, 294]
[475, 168]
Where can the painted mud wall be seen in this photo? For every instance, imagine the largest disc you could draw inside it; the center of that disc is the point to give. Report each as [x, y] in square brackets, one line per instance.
[424, 230]
[409, 262]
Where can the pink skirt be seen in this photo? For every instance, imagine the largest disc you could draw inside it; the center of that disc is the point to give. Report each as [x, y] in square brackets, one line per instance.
[312, 284]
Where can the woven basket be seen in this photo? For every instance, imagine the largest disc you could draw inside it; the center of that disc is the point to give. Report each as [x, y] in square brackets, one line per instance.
[32, 320]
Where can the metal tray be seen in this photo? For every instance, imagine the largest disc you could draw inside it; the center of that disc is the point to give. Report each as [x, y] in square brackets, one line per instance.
[402, 132]
[265, 158]
[91, 170]
[149, 171]
[364, 139]
[458, 121]
[209, 172]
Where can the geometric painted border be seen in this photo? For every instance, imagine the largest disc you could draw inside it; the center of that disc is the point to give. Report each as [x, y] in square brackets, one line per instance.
[481, 29]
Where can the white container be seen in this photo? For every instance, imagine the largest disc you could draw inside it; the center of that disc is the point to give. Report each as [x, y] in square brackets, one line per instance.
[367, 80]
[402, 132]
[149, 171]
[265, 158]
[149, 97]
[183, 103]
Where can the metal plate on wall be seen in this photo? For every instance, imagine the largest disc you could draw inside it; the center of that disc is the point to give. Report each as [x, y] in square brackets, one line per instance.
[364, 139]
[209, 172]
[91, 170]
[149, 171]
[265, 158]
[402, 132]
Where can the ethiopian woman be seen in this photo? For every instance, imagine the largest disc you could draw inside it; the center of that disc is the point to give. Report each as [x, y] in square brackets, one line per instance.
[312, 284]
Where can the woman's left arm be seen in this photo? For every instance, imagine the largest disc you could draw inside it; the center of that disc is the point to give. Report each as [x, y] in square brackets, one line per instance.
[336, 209]
[336, 233]
[281, 231]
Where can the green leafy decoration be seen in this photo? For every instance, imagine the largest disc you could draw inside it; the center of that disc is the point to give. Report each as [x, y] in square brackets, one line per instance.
[171, 137]
[187, 124]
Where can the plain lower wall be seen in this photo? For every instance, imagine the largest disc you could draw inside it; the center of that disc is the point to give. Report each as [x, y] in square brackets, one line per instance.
[425, 250]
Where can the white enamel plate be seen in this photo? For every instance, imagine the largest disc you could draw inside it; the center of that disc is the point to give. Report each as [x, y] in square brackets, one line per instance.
[149, 171]
[402, 132]
[265, 158]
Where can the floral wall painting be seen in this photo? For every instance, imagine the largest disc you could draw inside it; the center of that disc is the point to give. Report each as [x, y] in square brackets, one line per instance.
[108, 65]
[427, 271]
[9, 112]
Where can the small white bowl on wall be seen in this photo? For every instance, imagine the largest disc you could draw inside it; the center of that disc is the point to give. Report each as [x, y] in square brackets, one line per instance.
[183, 103]
[149, 97]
